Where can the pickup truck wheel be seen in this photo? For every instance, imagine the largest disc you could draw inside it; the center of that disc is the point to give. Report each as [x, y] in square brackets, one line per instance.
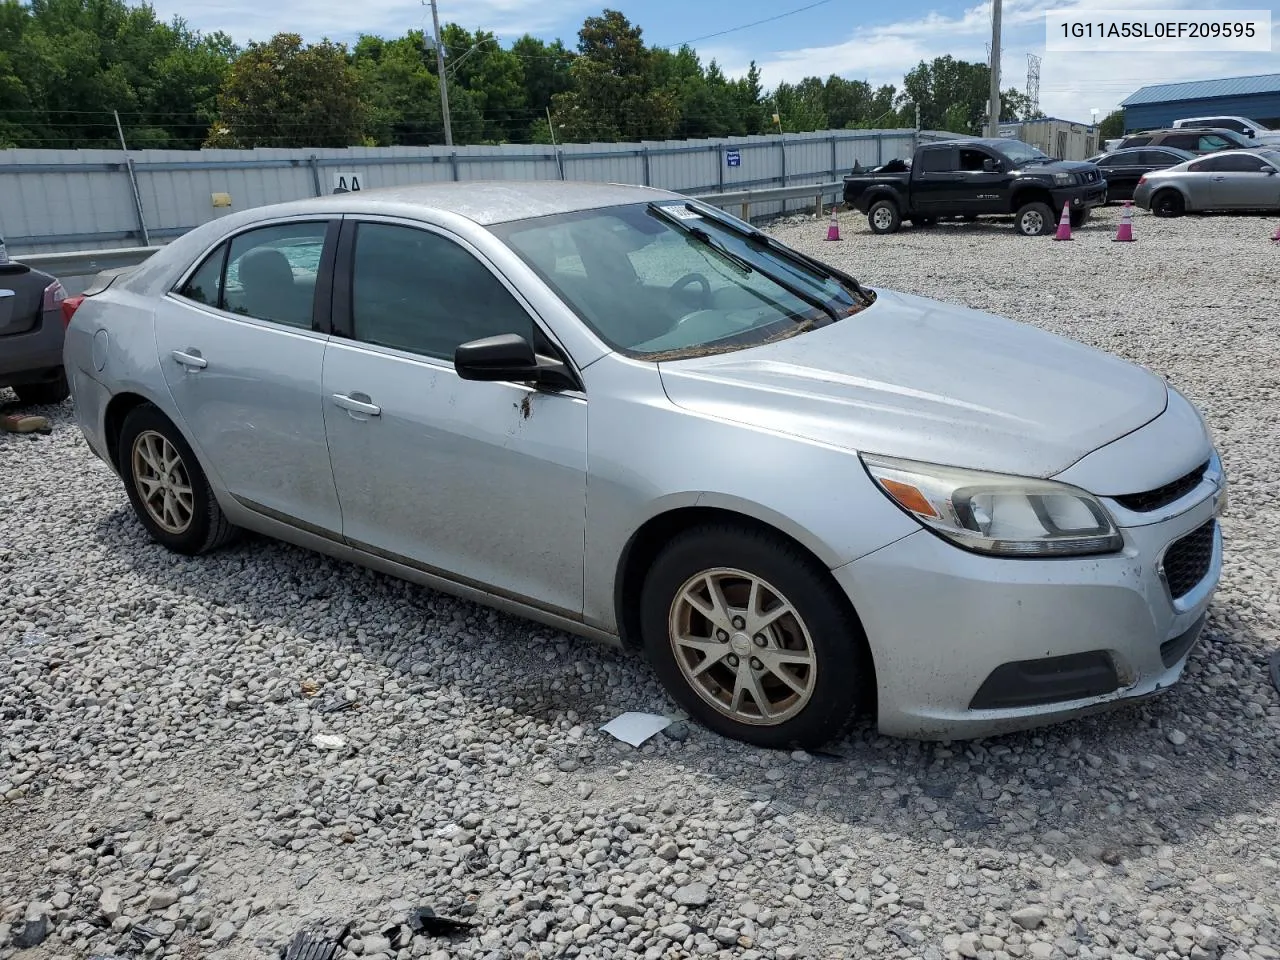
[1079, 218]
[884, 217]
[1034, 220]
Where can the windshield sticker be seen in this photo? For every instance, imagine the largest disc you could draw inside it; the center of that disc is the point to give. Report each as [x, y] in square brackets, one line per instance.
[683, 212]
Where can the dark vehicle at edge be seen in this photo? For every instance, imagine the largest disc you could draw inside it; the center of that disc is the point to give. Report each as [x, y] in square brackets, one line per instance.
[1197, 140]
[31, 334]
[976, 178]
[1123, 168]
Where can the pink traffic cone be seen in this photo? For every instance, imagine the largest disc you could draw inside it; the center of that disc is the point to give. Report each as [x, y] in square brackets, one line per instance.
[1275, 237]
[1125, 233]
[1064, 225]
[833, 228]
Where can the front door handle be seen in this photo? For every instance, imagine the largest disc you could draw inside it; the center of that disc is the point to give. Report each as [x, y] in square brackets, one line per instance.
[190, 359]
[354, 405]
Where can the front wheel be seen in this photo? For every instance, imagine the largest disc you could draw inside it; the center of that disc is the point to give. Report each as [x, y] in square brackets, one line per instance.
[753, 639]
[166, 486]
[884, 217]
[1079, 218]
[1034, 220]
[1168, 203]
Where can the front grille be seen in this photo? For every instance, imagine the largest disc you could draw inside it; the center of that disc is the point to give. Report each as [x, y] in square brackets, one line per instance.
[1090, 176]
[1163, 496]
[1187, 560]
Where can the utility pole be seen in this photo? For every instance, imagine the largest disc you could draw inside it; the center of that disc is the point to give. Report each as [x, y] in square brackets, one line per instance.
[993, 128]
[444, 83]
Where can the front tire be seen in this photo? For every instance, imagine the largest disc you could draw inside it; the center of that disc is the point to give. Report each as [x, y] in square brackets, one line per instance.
[1034, 220]
[166, 486]
[45, 393]
[1079, 218]
[1168, 203]
[752, 638]
[884, 217]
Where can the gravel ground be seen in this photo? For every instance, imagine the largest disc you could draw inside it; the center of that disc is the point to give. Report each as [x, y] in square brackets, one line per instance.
[163, 790]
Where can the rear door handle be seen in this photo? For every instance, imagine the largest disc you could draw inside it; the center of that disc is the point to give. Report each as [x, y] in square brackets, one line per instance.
[353, 405]
[192, 359]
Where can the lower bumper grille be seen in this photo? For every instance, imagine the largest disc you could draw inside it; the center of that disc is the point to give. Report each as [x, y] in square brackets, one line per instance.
[1187, 560]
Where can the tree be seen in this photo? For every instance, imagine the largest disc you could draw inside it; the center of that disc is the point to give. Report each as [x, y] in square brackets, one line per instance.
[546, 73]
[951, 90]
[492, 77]
[800, 106]
[1112, 126]
[284, 94]
[614, 94]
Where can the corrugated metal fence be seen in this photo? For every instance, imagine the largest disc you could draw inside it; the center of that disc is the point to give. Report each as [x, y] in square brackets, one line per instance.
[57, 200]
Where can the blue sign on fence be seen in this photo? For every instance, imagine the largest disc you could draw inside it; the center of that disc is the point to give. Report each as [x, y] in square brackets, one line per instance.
[732, 158]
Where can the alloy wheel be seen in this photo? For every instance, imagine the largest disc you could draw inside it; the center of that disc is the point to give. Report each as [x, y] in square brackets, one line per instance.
[161, 480]
[742, 646]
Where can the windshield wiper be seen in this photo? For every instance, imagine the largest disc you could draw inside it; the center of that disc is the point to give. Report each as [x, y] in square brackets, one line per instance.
[795, 256]
[704, 237]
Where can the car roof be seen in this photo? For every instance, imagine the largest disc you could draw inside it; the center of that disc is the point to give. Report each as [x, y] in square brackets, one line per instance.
[483, 201]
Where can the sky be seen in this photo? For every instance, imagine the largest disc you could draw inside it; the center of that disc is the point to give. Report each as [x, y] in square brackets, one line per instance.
[857, 39]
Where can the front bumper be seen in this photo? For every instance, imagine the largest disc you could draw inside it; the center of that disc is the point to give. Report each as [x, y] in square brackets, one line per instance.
[1080, 198]
[952, 632]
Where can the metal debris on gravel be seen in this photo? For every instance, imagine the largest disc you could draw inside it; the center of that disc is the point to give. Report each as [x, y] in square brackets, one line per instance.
[166, 776]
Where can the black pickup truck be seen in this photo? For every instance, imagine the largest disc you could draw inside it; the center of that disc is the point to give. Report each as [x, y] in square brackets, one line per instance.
[966, 179]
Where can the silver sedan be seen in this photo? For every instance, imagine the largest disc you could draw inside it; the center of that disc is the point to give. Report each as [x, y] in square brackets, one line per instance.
[1227, 180]
[634, 417]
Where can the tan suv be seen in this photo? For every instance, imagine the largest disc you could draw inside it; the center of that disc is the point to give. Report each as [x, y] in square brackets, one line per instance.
[1195, 139]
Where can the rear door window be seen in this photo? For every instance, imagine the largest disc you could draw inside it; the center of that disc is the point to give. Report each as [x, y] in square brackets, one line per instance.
[1136, 142]
[939, 161]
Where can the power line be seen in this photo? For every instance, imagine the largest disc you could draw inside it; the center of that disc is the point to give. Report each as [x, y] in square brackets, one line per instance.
[746, 26]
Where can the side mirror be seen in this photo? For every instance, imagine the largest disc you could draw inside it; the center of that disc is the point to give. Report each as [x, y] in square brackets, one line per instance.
[1248, 132]
[1269, 171]
[508, 356]
[988, 166]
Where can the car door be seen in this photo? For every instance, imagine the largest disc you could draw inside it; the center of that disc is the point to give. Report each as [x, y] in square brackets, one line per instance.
[937, 181]
[981, 190]
[480, 482]
[1241, 184]
[1200, 183]
[241, 346]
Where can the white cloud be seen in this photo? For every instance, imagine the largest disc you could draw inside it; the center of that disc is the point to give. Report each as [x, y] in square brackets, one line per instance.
[245, 20]
[1070, 84]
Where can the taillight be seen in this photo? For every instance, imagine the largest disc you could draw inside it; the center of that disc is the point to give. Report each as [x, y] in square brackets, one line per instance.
[69, 305]
[1142, 179]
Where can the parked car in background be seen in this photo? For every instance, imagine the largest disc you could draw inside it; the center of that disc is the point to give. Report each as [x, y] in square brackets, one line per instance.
[1258, 135]
[1123, 168]
[1231, 180]
[31, 331]
[1113, 144]
[1194, 140]
[975, 178]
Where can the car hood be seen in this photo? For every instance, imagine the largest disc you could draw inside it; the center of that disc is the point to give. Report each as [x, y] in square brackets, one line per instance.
[912, 377]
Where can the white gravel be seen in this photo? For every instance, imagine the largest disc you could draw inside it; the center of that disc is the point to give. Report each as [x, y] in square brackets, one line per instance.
[171, 782]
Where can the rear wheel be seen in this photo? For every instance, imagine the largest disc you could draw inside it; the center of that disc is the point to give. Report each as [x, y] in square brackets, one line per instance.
[166, 486]
[753, 639]
[50, 391]
[1034, 219]
[1168, 203]
[884, 217]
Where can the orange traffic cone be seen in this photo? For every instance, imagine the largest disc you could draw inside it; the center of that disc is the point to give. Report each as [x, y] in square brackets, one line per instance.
[1064, 225]
[833, 228]
[1125, 233]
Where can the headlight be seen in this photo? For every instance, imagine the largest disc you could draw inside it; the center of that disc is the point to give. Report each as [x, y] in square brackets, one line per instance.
[995, 513]
[1062, 179]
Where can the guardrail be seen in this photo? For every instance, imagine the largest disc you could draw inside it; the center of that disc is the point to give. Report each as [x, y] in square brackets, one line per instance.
[86, 263]
[748, 198]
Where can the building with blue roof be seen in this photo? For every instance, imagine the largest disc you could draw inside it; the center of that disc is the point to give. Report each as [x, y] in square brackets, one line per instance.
[1255, 98]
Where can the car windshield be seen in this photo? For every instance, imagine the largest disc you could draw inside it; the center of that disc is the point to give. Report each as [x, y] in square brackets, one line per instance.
[1020, 152]
[665, 280]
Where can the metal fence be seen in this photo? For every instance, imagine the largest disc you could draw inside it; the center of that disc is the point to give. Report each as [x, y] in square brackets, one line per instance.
[61, 200]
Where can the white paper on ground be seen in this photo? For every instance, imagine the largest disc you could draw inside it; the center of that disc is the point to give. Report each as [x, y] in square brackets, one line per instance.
[636, 728]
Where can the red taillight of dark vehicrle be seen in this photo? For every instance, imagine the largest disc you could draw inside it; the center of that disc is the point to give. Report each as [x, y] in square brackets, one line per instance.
[1142, 179]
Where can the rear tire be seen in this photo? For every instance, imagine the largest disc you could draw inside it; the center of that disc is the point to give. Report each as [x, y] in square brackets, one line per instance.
[1034, 219]
[801, 626]
[884, 217]
[1168, 203]
[42, 394]
[167, 487]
